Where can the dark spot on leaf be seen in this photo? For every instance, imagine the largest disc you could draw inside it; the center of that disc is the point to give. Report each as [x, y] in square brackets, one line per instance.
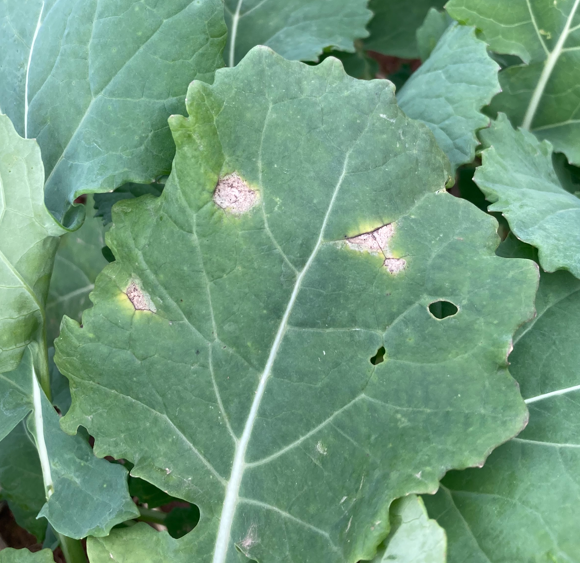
[443, 309]
[379, 357]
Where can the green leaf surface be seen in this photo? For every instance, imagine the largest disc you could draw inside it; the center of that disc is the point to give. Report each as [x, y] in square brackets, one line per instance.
[449, 89]
[10, 555]
[524, 505]
[79, 259]
[518, 177]
[429, 34]
[296, 29]
[84, 495]
[542, 94]
[28, 242]
[250, 368]
[394, 26]
[95, 82]
[103, 203]
[413, 537]
[21, 483]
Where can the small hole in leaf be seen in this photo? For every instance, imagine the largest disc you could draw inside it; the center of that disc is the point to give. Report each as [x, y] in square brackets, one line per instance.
[379, 357]
[443, 309]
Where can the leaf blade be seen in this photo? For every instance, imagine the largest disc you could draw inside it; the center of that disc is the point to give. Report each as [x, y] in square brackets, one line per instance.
[91, 131]
[287, 335]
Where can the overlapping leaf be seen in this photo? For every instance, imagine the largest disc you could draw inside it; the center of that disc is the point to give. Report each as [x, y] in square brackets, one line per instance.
[104, 202]
[238, 322]
[413, 537]
[95, 82]
[429, 34]
[541, 95]
[84, 495]
[524, 505]
[24, 556]
[518, 177]
[296, 29]
[394, 26]
[448, 91]
[79, 259]
[28, 242]
[21, 484]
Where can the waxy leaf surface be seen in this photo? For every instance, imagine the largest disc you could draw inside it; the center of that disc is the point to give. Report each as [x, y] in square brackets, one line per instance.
[518, 177]
[449, 89]
[524, 505]
[433, 28]
[394, 26]
[28, 242]
[95, 81]
[413, 537]
[238, 322]
[296, 29]
[78, 261]
[104, 202]
[10, 555]
[542, 94]
[21, 484]
[85, 495]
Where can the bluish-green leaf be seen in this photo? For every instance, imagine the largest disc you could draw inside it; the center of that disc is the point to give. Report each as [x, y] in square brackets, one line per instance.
[518, 177]
[28, 242]
[429, 34]
[21, 484]
[413, 537]
[524, 504]
[84, 495]
[95, 81]
[394, 26]
[304, 226]
[296, 29]
[79, 259]
[10, 555]
[449, 89]
[542, 94]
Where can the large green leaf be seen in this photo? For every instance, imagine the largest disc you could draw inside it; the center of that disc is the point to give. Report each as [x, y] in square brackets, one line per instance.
[448, 91]
[238, 322]
[95, 81]
[394, 26]
[542, 94]
[296, 29]
[28, 242]
[524, 505]
[79, 259]
[413, 537]
[24, 556]
[21, 483]
[518, 177]
[84, 495]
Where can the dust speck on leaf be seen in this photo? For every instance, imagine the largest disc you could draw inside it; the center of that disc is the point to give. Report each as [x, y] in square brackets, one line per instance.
[376, 242]
[234, 195]
[140, 300]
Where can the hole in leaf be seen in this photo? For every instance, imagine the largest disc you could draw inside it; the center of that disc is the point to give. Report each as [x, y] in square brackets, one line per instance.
[443, 309]
[379, 357]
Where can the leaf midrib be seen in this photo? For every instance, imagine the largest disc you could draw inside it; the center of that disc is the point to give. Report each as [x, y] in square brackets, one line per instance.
[549, 66]
[239, 463]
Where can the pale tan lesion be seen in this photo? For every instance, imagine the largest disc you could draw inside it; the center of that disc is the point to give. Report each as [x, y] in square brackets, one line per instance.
[139, 299]
[234, 195]
[377, 242]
